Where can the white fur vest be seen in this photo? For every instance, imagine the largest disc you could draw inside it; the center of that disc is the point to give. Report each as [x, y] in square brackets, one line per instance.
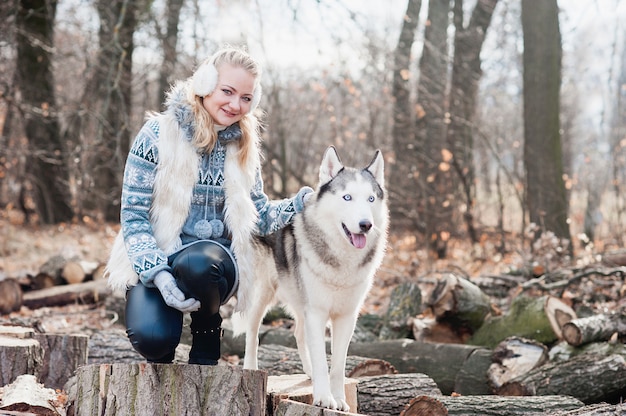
[176, 175]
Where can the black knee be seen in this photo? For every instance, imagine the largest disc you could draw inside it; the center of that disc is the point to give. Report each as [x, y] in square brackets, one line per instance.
[154, 329]
[205, 271]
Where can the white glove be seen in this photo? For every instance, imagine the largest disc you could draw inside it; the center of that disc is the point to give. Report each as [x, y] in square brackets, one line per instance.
[172, 295]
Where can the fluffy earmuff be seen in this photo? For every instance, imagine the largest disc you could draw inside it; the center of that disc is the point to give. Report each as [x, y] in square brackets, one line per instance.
[205, 79]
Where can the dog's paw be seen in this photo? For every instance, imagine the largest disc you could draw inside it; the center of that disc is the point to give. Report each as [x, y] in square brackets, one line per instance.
[326, 401]
[342, 405]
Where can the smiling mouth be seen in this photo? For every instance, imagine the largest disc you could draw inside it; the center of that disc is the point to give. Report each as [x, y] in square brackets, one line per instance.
[357, 240]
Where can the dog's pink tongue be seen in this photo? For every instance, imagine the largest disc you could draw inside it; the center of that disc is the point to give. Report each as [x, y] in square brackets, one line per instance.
[358, 240]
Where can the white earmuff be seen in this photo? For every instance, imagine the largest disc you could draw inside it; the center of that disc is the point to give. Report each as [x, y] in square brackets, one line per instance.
[205, 79]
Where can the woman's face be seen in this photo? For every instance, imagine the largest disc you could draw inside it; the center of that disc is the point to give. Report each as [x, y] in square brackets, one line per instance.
[232, 97]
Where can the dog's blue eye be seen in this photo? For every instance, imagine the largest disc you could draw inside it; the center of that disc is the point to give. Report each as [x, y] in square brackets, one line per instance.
[371, 198]
[347, 198]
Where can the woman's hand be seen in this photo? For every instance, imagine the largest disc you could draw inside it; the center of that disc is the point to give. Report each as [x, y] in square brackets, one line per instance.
[172, 295]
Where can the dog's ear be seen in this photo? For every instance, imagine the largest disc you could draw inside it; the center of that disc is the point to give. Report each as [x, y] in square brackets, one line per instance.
[331, 165]
[377, 168]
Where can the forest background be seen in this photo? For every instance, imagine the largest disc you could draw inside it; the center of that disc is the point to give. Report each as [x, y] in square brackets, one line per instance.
[501, 121]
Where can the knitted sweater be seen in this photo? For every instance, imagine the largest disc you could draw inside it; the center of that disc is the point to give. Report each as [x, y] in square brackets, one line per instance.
[208, 198]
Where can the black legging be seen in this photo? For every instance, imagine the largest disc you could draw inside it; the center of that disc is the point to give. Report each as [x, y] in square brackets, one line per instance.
[205, 271]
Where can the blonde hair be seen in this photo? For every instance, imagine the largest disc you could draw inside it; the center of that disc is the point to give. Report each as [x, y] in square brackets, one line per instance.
[205, 135]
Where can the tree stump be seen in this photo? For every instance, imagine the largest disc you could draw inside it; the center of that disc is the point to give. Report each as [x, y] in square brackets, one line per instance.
[489, 405]
[298, 387]
[19, 356]
[389, 394]
[539, 318]
[168, 389]
[593, 328]
[63, 354]
[590, 378]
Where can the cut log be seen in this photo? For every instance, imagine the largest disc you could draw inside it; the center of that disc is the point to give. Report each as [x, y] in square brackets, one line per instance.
[410, 356]
[389, 394]
[491, 405]
[21, 332]
[293, 408]
[88, 292]
[539, 318]
[514, 357]
[17, 357]
[280, 360]
[168, 389]
[10, 296]
[405, 302]
[73, 272]
[63, 354]
[589, 377]
[298, 387]
[593, 328]
[460, 302]
[25, 394]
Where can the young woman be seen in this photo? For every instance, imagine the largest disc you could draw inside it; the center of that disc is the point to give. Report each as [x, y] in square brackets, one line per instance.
[192, 198]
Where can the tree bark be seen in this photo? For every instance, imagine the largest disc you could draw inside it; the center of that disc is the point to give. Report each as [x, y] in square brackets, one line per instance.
[165, 389]
[389, 394]
[492, 405]
[590, 378]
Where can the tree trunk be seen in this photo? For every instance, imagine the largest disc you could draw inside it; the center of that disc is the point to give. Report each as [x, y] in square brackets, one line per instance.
[543, 160]
[435, 190]
[168, 389]
[466, 74]
[63, 354]
[589, 377]
[405, 302]
[491, 405]
[47, 177]
[404, 168]
[168, 43]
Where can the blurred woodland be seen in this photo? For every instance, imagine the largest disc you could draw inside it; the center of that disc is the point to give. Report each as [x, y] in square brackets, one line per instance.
[500, 120]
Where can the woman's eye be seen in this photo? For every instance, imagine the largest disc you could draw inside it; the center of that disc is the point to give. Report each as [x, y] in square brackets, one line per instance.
[347, 198]
[246, 99]
[226, 91]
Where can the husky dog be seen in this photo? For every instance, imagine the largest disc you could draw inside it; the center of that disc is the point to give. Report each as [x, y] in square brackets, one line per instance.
[321, 268]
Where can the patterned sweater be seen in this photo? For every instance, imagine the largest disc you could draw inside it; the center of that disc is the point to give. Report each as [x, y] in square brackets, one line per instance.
[207, 202]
